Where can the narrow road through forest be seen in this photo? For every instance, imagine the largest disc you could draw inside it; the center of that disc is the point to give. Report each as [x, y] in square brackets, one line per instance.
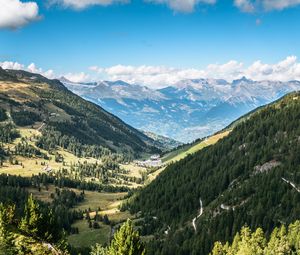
[200, 213]
[292, 184]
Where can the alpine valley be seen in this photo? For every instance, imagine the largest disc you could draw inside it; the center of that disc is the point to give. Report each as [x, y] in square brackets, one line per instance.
[186, 111]
[74, 179]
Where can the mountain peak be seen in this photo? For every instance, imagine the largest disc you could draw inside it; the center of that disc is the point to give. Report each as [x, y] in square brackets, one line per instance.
[243, 79]
[63, 79]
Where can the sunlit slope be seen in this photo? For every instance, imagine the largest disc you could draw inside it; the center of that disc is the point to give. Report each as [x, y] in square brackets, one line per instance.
[190, 149]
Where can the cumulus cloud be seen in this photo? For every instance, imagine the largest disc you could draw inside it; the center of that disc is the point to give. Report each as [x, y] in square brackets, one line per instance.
[82, 4]
[182, 5]
[162, 76]
[77, 77]
[30, 68]
[15, 14]
[264, 5]
[244, 5]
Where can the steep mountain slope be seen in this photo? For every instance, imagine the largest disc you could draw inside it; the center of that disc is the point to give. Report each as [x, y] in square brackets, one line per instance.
[186, 111]
[65, 118]
[249, 177]
[168, 143]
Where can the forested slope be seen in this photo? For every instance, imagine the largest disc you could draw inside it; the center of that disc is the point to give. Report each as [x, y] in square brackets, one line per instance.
[69, 121]
[249, 177]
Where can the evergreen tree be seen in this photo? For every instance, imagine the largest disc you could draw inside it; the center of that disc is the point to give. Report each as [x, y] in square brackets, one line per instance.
[99, 250]
[6, 238]
[32, 219]
[126, 241]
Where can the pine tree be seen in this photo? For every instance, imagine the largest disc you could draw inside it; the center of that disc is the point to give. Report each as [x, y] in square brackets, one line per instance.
[126, 241]
[32, 219]
[278, 243]
[6, 239]
[99, 250]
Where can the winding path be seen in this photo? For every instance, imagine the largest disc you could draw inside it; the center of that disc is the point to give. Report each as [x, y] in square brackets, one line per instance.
[200, 213]
[51, 248]
[292, 184]
[41, 126]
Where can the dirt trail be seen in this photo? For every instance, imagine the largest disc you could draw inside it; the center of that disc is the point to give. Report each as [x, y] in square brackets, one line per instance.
[199, 215]
[292, 184]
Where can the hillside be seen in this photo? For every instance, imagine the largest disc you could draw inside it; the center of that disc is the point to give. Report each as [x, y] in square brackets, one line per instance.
[164, 142]
[73, 156]
[249, 177]
[32, 100]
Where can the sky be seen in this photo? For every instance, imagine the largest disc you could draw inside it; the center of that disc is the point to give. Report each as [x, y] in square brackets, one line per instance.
[152, 42]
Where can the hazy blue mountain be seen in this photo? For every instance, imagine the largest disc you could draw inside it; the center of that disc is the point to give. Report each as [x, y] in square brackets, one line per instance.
[186, 111]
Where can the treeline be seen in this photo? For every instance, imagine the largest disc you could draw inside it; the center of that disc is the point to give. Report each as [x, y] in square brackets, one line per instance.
[13, 191]
[25, 118]
[3, 115]
[8, 133]
[243, 172]
[34, 225]
[58, 180]
[51, 139]
[284, 241]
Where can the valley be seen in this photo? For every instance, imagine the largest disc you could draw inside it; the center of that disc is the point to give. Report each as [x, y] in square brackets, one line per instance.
[187, 110]
[93, 185]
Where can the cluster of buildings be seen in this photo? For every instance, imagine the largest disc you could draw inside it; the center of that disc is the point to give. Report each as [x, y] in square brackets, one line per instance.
[153, 161]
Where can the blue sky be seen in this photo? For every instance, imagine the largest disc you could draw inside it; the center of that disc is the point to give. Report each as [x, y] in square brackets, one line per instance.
[69, 40]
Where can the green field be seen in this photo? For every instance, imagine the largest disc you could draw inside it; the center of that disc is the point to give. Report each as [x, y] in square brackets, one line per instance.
[87, 236]
[186, 150]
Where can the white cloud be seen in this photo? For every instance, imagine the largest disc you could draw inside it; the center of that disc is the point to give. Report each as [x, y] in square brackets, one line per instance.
[77, 77]
[264, 5]
[82, 4]
[50, 74]
[30, 68]
[162, 76]
[11, 65]
[15, 14]
[244, 5]
[182, 5]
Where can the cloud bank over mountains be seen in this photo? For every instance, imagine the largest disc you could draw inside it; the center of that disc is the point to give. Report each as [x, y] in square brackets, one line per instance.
[163, 76]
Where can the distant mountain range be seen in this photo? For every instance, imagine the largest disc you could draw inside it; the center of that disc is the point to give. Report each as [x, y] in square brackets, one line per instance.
[186, 111]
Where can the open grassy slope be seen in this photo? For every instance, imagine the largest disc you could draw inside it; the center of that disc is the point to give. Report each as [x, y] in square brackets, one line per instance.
[186, 150]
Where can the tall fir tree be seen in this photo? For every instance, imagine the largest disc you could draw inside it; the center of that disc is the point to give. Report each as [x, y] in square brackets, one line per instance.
[31, 222]
[126, 241]
[6, 238]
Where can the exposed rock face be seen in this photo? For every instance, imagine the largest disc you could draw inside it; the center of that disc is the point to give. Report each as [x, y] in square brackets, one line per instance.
[266, 166]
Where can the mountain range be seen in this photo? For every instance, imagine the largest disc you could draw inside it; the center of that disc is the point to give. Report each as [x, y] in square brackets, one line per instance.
[186, 111]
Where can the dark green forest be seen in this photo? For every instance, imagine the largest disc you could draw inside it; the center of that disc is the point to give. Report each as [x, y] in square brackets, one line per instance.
[243, 179]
